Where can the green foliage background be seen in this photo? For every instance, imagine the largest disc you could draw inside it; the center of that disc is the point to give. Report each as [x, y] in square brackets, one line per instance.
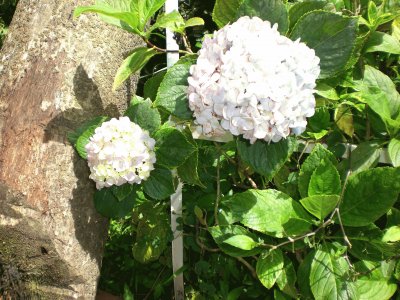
[7, 8]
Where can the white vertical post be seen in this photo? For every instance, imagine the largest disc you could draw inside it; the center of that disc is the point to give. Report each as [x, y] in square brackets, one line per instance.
[176, 199]
[172, 46]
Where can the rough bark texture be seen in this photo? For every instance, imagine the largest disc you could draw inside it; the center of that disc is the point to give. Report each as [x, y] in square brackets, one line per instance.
[55, 73]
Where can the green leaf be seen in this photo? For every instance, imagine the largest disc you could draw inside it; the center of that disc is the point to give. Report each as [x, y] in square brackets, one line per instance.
[172, 147]
[394, 151]
[319, 123]
[152, 84]
[333, 42]
[361, 205]
[397, 271]
[378, 81]
[145, 9]
[303, 275]
[235, 293]
[374, 285]
[382, 42]
[266, 158]
[362, 36]
[323, 89]
[142, 113]
[82, 135]
[325, 180]
[192, 22]
[222, 233]
[175, 22]
[160, 184]
[318, 154]
[280, 296]
[270, 267]
[329, 276]
[320, 205]
[287, 280]
[122, 191]
[344, 119]
[241, 241]
[286, 182]
[172, 21]
[126, 6]
[367, 243]
[273, 11]
[364, 157]
[286, 217]
[381, 105]
[393, 217]
[107, 204]
[392, 234]
[372, 12]
[153, 232]
[188, 171]
[172, 94]
[396, 28]
[127, 293]
[225, 11]
[299, 9]
[134, 62]
[112, 15]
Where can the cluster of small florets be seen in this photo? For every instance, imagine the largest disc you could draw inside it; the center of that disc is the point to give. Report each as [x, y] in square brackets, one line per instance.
[120, 152]
[252, 81]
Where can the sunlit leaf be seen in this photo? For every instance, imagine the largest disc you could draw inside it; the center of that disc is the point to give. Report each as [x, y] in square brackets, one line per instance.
[361, 205]
[330, 277]
[394, 151]
[225, 11]
[270, 267]
[269, 211]
[134, 62]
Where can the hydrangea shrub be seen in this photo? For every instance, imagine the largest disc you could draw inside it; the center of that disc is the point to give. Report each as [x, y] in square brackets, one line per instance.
[281, 210]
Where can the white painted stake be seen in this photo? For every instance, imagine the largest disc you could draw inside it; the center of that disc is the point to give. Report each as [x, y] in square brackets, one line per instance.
[172, 57]
[176, 199]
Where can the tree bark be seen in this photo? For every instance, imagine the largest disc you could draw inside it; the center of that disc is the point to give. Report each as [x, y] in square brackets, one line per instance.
[55, 73]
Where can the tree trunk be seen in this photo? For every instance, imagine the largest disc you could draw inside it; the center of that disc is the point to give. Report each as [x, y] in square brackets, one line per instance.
[55, 73]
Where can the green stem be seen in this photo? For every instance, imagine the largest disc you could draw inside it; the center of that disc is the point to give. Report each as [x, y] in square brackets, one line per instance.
[218, 193]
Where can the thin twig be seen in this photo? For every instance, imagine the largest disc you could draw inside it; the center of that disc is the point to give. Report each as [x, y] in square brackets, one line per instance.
[200, 244]
[252, 183]
[345, 238]
[154, 284]
[302, 153]
[153, 73]
[151, 45]
[186, 43]
[248, 266]
[230, 159]
[162, 50]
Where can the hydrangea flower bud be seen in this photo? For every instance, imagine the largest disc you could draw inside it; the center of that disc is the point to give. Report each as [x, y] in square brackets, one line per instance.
[249, 80]
[120, 152]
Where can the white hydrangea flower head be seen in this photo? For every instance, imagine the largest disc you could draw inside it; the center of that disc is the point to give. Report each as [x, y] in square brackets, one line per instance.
[120, 152]
[249, 80]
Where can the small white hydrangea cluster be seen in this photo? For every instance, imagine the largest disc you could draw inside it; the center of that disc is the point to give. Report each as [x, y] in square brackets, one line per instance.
[120, 152]
[252, 81]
